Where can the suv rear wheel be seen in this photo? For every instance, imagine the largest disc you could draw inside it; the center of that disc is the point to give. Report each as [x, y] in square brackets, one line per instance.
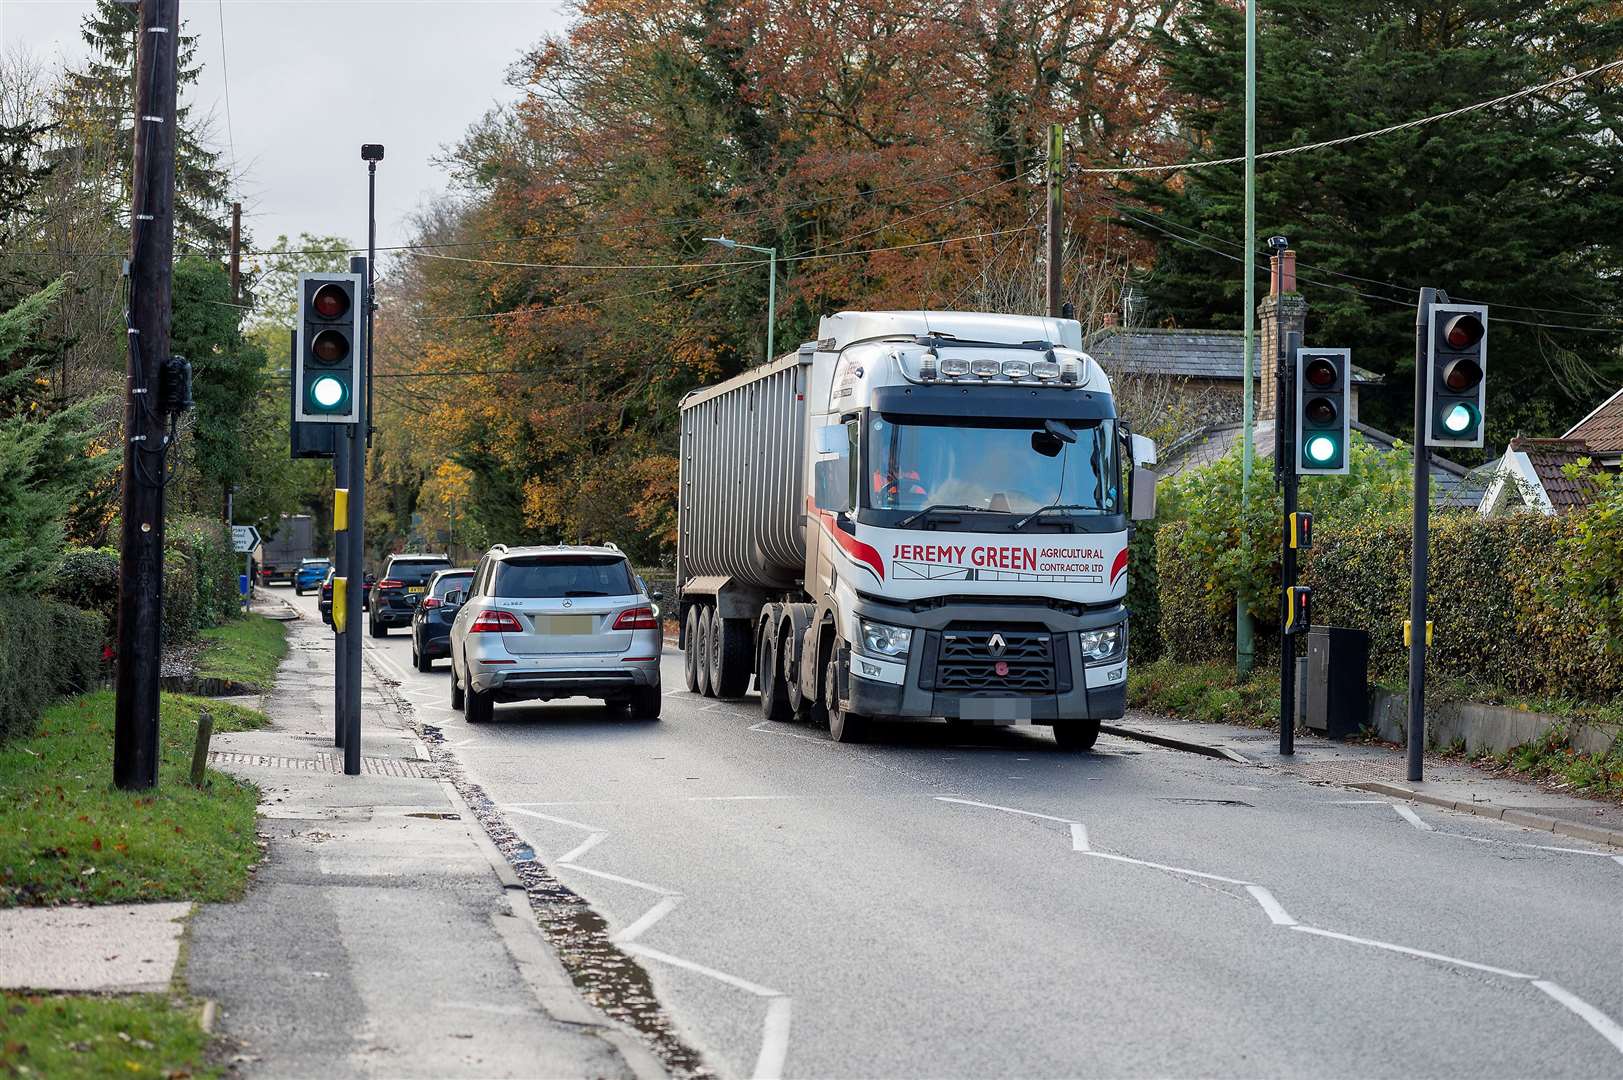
[645, 702]
[457, 696]
[377, 630]
[480, 706]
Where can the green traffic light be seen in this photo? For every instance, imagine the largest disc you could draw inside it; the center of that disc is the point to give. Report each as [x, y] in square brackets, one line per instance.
[328, 393]
[1459, 418]
[1321, 450]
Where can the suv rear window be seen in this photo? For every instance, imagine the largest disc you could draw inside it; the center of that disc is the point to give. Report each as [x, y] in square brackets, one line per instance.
[414, 571]
[446, 582]
[572, 575]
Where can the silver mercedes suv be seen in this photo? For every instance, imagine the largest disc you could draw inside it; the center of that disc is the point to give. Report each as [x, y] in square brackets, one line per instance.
[553, 622]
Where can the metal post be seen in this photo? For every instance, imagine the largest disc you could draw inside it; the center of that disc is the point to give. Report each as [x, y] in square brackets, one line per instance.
[341, 569]
[236, 253]
[1244, 643]
[152, 247]
[356, 448]
[771, 301]
[1056, 220]
[371, 295]
[1285, 399]
[1415, 733]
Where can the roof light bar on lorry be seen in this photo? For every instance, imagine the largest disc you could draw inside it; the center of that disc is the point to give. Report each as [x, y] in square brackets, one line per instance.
[1017, 369]
[1045, 369]
[927, 366]
[1069, 371]
[986, 369]
[954, 367]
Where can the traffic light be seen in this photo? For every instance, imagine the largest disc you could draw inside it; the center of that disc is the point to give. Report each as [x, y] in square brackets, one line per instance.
[1457, 386]
[1323, 381]
[328, 366]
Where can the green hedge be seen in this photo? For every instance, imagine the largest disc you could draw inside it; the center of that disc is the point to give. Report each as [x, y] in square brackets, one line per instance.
[88, 578]
[47, 649]
[1143, 594]
[199, 579]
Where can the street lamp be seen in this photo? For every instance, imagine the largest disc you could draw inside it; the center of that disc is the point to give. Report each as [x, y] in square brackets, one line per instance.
[771, 281]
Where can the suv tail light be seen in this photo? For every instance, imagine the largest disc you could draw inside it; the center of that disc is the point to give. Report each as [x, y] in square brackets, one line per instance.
[391, 583]
[496, 622]
[430, 602]
[637, 618]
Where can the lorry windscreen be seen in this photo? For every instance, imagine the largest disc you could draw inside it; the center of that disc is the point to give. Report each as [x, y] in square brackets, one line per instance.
[1009, 467]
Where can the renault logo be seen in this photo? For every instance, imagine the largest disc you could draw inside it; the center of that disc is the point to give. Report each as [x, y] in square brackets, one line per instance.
[996, 645]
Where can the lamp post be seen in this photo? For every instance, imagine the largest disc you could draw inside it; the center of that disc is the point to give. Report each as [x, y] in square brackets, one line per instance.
[771, 281]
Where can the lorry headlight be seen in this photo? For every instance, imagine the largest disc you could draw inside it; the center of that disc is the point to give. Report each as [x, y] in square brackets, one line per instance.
[881, 639]
[1101, 646]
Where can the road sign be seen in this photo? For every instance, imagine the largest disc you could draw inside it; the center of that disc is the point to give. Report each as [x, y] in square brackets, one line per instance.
[244, 538]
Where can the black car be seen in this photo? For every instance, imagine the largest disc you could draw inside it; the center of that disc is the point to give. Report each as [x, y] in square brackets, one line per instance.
[431, 624]
[394, 597]
[324, 602]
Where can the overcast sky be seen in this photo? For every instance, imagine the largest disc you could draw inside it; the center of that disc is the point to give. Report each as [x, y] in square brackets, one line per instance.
[310, 80]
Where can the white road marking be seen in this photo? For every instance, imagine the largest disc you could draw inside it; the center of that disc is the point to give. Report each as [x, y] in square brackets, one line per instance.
[772, 728]
[1423, 954]
[1619, 859]
[1603, 1024]
[1407, 814]
[1163, 866]
[1358, 802]
[1276, 911]
[560, 802]
[659, 890]
[700, 969]
[649, 918]
[774, 1040]
[549, 817]
[735, 798]
[1005, 809]
[1079, 836]
[1534, 847]
[583, 847]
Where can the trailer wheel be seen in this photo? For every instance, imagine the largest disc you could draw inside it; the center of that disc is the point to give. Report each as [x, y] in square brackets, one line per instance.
[1077, 735]
[731, 644]
[774, 687]
[690, 651]
[701, 658]
[844, 726]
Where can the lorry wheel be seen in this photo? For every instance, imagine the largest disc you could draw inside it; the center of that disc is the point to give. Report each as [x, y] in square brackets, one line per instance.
[701, 641]
[690, 651]
[732, 646]
[712, 651]
[843, 726]
[1077, 735]
[774, 687]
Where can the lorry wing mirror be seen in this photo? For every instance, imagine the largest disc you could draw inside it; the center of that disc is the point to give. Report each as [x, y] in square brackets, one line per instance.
[832, 482]
[833, 439]
[1144, 478]
[1144, 450]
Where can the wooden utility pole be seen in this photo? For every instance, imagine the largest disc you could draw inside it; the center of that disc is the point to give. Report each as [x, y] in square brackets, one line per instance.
[152, 248]
[1056, 220]
[236, 253]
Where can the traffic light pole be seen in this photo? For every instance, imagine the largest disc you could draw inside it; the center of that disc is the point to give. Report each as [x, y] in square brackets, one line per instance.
[340, 561]
[1285, 465]
[355, 446]
[1415, 733]
[152, 246]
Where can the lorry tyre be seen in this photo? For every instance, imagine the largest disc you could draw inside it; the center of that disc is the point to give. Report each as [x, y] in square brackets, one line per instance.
[732, 675]
[774, 687]
[457, 696]
[843, 726]
[1077, 735]
[701, 652]
[712, 651]
[481, 706]
[690, 650]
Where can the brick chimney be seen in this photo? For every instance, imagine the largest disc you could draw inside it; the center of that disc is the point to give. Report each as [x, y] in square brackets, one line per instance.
[1281, 311]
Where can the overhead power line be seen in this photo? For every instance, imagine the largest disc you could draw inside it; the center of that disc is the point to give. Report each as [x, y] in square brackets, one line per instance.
[1345, 139]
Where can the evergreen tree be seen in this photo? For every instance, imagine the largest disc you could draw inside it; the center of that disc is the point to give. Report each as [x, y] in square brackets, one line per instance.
[1516, 205]
[99, 106]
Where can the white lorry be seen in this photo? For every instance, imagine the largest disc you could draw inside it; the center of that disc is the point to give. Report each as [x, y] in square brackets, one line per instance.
[919, 515]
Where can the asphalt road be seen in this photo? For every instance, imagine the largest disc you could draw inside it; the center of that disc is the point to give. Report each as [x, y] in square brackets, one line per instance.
[927, 906]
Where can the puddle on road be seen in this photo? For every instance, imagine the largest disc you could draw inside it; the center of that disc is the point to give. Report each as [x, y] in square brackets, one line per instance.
[605, 976]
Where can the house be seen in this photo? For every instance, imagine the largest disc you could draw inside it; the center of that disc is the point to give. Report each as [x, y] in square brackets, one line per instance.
[1602, 432]
[1532, 477]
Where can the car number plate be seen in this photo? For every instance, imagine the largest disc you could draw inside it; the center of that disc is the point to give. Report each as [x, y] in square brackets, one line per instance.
[416, 588]
[570, 624]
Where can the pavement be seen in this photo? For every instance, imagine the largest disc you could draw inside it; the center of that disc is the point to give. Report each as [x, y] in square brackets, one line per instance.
[114, 948]
[383, 935]
[948, 905]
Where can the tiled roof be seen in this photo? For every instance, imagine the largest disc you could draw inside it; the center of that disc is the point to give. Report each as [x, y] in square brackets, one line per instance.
[1550, 458]
[1186, 354]
[1602, 430]
[1452, 485]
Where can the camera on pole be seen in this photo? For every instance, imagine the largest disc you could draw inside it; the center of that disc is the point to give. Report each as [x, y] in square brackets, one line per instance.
[328, 368]
[1457, 362]
[1323, 385]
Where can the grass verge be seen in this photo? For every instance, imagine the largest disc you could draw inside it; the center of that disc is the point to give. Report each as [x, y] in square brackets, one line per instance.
[1552, 758]
[136, 1035]
[1209, 693]
[245, 651]
[69, 835]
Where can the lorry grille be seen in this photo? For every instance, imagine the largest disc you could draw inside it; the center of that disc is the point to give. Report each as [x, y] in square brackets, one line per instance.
[968, 664]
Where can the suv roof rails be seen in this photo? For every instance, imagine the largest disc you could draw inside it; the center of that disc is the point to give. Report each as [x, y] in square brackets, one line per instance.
[611, 545]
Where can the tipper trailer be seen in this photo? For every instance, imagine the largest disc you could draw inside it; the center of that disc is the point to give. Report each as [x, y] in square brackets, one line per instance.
[919, 515]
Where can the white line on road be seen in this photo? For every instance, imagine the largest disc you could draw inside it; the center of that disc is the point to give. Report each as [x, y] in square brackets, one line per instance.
[1276, 911]
[1079, 836]
[649, 918]
[1005, 809]
[774, 1040]
[633, 882]
[549, 817]
[773, 728]
[1423, 954]
[583, 847]
[735, 798]
[1619, 859]
[1603, 1024]
[700, 969]
[1358, 802]
[1163, 866]
[1407, 814]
